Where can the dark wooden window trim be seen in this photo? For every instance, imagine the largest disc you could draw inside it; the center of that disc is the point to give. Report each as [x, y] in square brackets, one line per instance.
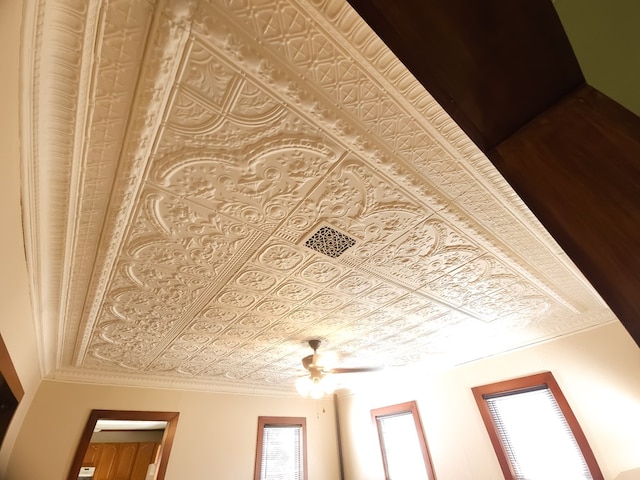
[299, 421]
[523, 383]
[167, 439]
[403, 408]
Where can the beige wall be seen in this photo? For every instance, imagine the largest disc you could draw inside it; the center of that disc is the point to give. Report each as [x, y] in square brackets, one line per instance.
[598, 371]
[215, 438]
[16, 320]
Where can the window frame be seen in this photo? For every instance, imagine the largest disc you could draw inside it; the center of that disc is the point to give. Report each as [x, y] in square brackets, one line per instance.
[523, 384]
[411, 407]
[285, 422]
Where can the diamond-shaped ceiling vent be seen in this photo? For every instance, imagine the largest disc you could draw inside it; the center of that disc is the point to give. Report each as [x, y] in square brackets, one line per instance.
[329, 242]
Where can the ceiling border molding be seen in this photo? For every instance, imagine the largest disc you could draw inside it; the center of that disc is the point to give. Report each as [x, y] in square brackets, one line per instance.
[165, 45]
[53, 68]
[222, 386]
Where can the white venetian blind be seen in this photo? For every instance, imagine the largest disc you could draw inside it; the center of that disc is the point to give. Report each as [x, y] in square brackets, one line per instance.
[281, 452]
[536, 436]
[401, 447]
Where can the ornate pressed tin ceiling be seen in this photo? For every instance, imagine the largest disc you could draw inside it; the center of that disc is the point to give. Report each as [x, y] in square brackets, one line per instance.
[179, 157]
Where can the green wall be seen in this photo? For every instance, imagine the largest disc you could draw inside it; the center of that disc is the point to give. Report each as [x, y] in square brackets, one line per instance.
[605, 35]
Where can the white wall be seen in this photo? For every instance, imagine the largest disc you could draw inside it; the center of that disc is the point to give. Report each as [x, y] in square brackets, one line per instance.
[598, 371]
[16, 322]
[215, 438]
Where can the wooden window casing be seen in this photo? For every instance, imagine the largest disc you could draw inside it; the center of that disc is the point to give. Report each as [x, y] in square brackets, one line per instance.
[281, 422]
[401, 408]
[521, 385]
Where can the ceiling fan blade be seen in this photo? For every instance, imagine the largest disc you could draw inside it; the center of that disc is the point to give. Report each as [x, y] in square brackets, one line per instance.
[356, 369]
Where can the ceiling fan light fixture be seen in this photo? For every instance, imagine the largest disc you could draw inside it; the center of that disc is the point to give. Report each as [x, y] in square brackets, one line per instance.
[316, 387]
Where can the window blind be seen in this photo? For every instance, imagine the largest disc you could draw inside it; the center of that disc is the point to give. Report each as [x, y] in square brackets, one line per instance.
[536, 436]
[281, 452]
[401, 447]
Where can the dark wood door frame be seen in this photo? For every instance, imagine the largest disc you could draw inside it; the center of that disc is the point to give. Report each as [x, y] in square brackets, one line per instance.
[165, 448]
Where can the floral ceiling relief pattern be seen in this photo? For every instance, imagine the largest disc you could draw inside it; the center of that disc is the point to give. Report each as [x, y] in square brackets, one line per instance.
[248, 127]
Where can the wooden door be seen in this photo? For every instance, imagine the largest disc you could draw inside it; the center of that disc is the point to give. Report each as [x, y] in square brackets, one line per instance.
[124, 461]
[106, 461]
[146, 455]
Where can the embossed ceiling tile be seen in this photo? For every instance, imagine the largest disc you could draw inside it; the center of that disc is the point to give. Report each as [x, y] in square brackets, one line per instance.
[272, 307]
[139, 303]
[136, 305]
[215, 315]
[361, 204]
[357, 329]
[330, 326]
[204, 357]
[227, 342]
[235, 373]
[525, 297]
[138, 335]
[174, 232]
[267, 376]
[281, 256]
[480, 276]
[414, 302]
[354, 284]
[213, 371]
[255, 321]
[215, 349]
[294, 290]
[379, 317]
[357, 309]
[235, 298]
[123, 356]
[206, 74]
[206, 327]
[245, 113]
[241, 333]
[164, 366]
[194, 341]
[286, 329]
[321, 272]
[384, 294]
[554, 323]
[190, 369]
[274, 22]
[260, 185]
[187, 116]
[327, 301]
[256, 279]
[230, 361]
[303, 316]
[425, 253]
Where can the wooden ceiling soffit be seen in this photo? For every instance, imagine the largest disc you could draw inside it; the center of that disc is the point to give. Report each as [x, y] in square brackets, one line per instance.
[492, 65]
[506, 73]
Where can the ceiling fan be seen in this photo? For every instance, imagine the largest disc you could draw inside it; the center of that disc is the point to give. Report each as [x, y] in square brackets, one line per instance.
[320, 380]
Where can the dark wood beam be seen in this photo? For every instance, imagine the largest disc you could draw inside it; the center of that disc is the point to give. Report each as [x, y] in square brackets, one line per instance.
[577, 166]
[491, 64]
[505, 72]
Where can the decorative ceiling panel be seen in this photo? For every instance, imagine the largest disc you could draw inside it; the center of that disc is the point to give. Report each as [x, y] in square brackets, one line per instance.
[209, 142]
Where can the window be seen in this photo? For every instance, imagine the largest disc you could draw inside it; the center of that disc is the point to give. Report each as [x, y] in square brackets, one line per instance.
[533, 430]
[405, 454]
[281, 452]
